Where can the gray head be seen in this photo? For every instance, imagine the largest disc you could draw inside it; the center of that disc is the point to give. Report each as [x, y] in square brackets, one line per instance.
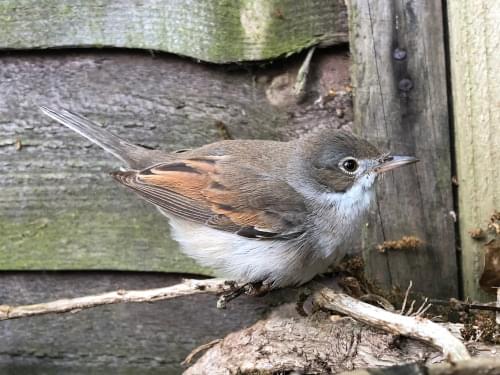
[339, 160]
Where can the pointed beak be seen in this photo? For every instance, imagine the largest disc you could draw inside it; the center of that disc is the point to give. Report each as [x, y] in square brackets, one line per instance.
[391, 162]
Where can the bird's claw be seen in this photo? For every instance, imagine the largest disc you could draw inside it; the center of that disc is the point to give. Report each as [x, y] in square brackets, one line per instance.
[255, 289]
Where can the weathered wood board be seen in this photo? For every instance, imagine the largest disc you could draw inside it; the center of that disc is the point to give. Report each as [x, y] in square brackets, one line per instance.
[399, 81]
[117, 339]
[59, 209]
[215, 31]
[474, 40]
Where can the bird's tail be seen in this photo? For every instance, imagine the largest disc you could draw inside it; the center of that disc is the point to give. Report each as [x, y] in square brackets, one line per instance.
[127, 152]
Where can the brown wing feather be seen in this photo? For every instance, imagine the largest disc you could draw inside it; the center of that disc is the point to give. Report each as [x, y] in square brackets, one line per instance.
[206, 190]
[168, 200]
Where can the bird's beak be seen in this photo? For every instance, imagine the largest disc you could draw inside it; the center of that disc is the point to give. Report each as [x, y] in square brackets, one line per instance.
[390, 162]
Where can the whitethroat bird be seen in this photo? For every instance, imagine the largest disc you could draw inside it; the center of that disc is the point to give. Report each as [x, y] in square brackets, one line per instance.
[256, 211]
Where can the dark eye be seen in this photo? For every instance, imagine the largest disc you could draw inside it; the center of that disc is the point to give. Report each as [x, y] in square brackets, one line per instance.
[350, 165]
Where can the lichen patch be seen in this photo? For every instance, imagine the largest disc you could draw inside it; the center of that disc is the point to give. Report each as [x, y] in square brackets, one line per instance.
[256, 18]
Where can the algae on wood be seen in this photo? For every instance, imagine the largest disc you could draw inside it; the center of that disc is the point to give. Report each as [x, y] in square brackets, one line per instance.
[400, 102]
[215, 31]
[474, 35]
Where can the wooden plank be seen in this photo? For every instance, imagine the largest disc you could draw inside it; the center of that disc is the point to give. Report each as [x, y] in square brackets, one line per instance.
[215, 31]
[400, 102]
[474, 38]
[129, 338]
[59, 209]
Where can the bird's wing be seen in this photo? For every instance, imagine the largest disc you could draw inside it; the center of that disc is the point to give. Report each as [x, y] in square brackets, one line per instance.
[208, 190]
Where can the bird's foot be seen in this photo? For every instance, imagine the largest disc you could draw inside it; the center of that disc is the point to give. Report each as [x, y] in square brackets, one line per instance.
[256, 289]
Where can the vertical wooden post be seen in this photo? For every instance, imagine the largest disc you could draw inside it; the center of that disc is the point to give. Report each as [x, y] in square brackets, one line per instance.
[399, 81]
[474, 41]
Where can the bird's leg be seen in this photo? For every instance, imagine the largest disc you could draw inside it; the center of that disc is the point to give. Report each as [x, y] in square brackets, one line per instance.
[233, 293]
[255, 289]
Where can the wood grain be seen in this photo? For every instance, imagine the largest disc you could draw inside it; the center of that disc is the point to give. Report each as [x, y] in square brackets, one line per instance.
[59, 208]
[474, 40]
[399, 80]
[287, 342]
[214, 31]
[136, 339]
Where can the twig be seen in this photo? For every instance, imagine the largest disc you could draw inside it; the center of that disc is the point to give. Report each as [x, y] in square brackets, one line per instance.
[420, 311]
[198, 350]
[410, 310]
[462, 305]
[423, 308]
[415, 327]
[300, 84]
[406, 297]
[187, 287]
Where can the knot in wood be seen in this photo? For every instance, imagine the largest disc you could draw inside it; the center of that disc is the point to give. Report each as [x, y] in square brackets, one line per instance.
[405, 84]
[399, 54]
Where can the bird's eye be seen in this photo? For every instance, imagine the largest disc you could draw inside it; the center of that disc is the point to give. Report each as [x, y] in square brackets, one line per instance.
[350, 165]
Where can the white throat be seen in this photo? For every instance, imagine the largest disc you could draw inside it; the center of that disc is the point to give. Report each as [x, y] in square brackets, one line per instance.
[354, 201]
[341, 213]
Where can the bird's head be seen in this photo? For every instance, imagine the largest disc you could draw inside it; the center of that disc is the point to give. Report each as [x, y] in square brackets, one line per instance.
[339, 161]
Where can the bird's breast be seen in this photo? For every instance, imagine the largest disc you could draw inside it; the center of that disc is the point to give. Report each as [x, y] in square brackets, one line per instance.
[338, 216]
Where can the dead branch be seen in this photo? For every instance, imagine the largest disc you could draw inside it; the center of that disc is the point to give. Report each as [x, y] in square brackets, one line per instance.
[415, 327]
[200, 349]
[287, 342]
[187, 287]
[465, 305]
[318, 344]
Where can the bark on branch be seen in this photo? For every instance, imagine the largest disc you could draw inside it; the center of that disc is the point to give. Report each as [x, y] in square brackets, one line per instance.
[187, 287]
[322, 343]
[416, 327]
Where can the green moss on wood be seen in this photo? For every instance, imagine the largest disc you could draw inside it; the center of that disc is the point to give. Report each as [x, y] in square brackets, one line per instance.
[221, 31]
[75, 240]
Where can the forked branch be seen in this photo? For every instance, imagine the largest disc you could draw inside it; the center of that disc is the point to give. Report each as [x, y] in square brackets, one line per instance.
[415, 327]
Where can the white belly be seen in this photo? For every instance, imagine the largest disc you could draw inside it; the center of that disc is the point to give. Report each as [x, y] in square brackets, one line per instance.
[279, 263]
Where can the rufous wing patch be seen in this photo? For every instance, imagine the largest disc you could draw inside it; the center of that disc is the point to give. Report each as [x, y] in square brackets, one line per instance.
[201, 190]
[187, 177]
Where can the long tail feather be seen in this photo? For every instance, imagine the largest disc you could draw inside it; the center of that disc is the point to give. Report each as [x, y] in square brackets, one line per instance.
[123, 150]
